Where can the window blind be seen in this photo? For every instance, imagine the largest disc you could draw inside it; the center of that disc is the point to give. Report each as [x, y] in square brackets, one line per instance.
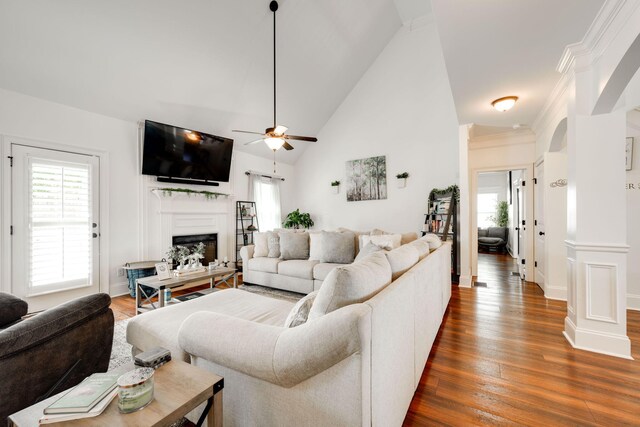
[60, 224]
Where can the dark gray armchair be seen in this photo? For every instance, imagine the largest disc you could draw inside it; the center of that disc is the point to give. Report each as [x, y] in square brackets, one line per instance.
[51, 351]
[493, 238]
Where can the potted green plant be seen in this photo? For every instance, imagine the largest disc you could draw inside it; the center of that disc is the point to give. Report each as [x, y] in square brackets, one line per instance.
[402, 179]
[502, 215]
[297, 220]
[335, 187]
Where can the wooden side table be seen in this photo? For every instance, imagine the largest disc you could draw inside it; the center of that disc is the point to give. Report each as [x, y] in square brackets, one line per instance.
[179, 388]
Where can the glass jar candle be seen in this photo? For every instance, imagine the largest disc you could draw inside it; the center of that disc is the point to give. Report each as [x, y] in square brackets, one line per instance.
[135, 390]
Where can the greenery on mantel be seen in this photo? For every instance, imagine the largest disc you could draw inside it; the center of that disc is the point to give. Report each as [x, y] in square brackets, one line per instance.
[436, 192]
[207, 194]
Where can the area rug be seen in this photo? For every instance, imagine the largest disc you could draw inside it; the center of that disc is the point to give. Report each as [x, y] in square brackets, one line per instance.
[121, 350]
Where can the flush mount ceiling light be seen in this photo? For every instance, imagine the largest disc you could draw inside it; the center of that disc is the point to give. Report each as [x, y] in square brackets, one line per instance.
[504, 104]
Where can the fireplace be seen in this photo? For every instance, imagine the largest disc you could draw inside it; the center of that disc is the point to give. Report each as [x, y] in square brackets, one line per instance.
[210, 244]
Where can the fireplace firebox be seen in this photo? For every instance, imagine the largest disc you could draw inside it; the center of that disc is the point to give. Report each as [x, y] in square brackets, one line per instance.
[210, 244]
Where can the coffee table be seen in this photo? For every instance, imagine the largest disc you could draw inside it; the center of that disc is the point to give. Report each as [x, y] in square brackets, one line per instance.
[179, 388]
[224, 273]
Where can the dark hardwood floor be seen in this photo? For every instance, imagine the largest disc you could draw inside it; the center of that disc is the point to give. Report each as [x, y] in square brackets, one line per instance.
[500, 359]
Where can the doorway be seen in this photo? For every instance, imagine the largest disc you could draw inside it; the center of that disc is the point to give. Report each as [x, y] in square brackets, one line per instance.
[501, 222]
[55, 217]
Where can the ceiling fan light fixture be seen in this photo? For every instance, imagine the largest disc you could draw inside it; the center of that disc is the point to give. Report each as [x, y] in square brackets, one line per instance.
[280, 130]
[504, 104]
[274, 143]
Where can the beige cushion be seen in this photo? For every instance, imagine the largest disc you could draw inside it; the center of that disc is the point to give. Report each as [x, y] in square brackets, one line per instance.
[274, 244]
[266, 265]
[433, 240]
[321, 270]
[422, 247]
[408, 238]
[402, 259]
[385, 241]
[261, 242]
[352, 284]
[300, 312]
[337, 247]
[297, 268]
[356, 238]
[378, 232]
[369, 248]
[315, 250]
[294, 245]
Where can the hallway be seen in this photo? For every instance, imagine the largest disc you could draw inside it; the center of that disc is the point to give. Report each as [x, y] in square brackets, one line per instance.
[500, 359]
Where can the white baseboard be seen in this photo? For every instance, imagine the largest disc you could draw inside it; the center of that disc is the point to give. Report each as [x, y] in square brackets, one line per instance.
[117, 289]
[596, 341]
[555, 292]
[633, 302]
[464, 282]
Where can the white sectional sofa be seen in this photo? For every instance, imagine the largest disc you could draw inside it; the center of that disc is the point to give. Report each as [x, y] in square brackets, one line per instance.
[357, 365]
[296, 275]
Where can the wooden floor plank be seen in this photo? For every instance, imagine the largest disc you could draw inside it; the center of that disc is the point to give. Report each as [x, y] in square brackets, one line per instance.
[500, 353]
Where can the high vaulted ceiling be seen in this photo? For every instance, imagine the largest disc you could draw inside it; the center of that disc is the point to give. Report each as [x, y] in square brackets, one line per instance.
[496, 48]
[200, 64]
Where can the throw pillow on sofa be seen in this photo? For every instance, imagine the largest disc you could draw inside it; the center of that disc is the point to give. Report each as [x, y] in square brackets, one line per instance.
[261, 245]
[422, 247]
[433, 240]
[300, 312]
[402, 259]
[385, 241]
[357, 235]
[368, 250]
[337, 247]
[294, 245]
[352, 284]
[274, 244]
[315, 250]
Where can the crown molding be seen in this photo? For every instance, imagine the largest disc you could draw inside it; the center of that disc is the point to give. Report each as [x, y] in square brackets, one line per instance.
[516, 137]
[577, 57]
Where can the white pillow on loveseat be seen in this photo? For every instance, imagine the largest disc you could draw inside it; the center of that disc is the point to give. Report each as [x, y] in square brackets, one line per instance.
[385, 241]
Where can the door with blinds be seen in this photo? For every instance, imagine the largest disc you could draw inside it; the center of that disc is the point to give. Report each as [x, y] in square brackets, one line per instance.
[55, 235]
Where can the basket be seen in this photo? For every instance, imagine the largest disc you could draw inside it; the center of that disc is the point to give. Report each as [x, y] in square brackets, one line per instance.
[138, 270]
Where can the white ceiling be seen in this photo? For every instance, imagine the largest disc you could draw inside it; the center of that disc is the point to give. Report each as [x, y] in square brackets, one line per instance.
[496, 48]
[200, 64]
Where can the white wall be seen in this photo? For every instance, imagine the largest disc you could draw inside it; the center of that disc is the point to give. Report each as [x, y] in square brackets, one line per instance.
[401, 108]
[633, 225]
[41, 120]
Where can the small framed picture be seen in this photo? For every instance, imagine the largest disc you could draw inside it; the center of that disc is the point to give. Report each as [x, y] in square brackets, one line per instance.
[629, 153]
[162, 268]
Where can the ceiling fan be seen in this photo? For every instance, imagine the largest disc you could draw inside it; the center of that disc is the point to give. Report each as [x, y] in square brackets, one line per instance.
[276, 137]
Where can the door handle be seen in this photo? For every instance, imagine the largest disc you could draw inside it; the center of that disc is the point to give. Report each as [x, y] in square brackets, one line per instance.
[517, 228]
[541, 233]
[94, 225]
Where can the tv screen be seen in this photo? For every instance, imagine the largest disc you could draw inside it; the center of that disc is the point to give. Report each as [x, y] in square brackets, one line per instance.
[175, 152]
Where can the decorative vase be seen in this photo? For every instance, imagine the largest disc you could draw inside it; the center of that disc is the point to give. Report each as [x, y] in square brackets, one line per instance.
[402, 182]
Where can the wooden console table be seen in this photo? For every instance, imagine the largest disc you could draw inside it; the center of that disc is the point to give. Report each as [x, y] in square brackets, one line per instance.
[224, 273]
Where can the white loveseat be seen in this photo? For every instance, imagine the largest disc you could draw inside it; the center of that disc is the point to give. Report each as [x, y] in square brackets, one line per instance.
[356, 366]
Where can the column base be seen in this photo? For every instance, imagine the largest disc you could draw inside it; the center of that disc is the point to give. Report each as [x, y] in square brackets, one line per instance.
[598, 342]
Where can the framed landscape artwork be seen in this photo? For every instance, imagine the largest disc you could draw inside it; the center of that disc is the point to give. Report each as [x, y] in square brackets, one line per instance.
[629, 153]
[367, 179]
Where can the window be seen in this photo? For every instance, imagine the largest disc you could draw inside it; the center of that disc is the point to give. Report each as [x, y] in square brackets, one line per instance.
[266, 194]
[487, 204]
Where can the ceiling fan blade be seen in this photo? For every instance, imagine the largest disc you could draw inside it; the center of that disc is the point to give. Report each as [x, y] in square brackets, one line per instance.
[287, 146]
[247, 131]
[254, 142]
[302, 138]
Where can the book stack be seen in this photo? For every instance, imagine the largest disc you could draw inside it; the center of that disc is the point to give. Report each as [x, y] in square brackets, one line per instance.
[88, 399]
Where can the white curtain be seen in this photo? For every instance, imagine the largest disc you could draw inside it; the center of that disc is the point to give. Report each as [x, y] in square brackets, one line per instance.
[266, 193]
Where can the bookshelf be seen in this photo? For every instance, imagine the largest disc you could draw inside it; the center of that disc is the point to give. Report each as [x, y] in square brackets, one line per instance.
[246, 225]
[441, 219]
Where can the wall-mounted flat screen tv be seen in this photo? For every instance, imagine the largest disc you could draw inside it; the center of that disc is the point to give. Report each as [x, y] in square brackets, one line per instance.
[173, 152]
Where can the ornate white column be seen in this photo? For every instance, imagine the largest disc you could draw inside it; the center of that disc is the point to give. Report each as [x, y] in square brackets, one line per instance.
[596, 226]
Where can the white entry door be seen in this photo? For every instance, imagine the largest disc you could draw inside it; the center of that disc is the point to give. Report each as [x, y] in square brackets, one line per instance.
[55, 232]
[539, 230]
[522, 227]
